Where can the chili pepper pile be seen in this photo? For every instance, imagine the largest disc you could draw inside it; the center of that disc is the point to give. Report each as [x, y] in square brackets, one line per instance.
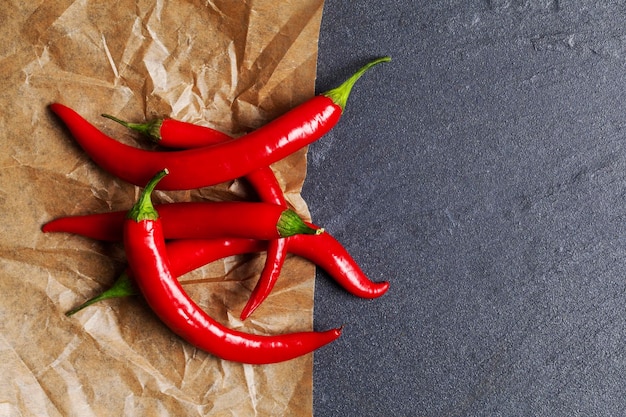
[165, 241]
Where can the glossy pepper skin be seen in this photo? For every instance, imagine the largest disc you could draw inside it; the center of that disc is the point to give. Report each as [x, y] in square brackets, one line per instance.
[329, 254]
[185, 255]
[146, 251]
[211, 165]
[324, 250]
[185, 135]
[173, 133]
[193, 220]
[266, 184]
[182, 135]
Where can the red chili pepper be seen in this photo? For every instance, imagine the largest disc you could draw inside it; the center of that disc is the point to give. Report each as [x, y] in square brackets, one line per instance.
[185, 255]
[277, 251]
[200, 167]
[324, 250]
[174, 133]
[145, 248]
[266, 184]
[178, 134]
[329, 254]
[194, 220]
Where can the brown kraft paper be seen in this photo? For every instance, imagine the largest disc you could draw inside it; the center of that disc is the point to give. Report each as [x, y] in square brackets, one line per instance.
[229, 65]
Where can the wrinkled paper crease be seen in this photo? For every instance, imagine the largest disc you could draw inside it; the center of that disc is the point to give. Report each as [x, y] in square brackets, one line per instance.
[229, 65]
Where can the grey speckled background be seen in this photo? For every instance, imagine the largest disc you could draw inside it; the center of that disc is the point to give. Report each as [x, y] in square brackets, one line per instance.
[482, 172]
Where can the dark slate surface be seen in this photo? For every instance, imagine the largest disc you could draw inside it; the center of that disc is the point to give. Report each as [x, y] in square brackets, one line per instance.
[482, 172]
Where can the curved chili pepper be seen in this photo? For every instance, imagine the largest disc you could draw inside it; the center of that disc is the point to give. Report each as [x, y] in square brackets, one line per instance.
[329, 254]
[277, 251]
[145, 248]
[185, 255]
[200, 167]
[276, 255]
[265, 183]
[194, 220]
[174, 133]
[178, 134]
[323, 250]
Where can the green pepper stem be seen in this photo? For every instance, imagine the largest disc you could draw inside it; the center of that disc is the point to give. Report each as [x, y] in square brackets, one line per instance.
[122, 287]
[290, 224]
[150, 129]
[143, 208]
[339, 95]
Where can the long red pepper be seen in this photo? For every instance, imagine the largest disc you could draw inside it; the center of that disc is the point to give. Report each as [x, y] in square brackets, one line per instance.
[185, 255]
[265, 183]
[329, 254]
[145, 248]
[173, 133]
[268, 188]
[182, 135]
[200, 167]
[324, 250]
[194, 220]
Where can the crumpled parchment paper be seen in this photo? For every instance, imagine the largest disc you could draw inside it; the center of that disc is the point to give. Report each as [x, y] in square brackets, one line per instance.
[229, 65]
